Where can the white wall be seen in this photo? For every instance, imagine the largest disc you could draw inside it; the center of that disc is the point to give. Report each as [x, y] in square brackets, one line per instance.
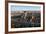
[2, 17]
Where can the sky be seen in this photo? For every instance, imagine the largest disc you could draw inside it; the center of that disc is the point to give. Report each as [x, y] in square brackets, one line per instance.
[32, 8]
